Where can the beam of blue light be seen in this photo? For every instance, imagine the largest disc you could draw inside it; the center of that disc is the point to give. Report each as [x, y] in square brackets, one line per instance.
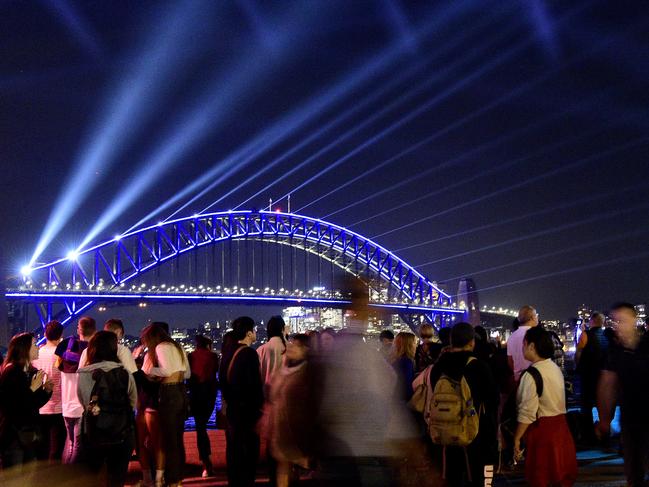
[125, 110]
[565, 250]
[542, 23]
[466, 81]
[439, 75]
[344, 87]
[399, 23]
[508, 221]
[570, 270]
[541, 233]
[466, 156]
[265, 35]
[80, 29]
[554, 172]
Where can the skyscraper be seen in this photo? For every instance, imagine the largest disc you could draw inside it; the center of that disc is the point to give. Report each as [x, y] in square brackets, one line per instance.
[467, 298]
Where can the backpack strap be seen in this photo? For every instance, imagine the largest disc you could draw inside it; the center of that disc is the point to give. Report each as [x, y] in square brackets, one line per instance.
[538, 379]
[227, 375]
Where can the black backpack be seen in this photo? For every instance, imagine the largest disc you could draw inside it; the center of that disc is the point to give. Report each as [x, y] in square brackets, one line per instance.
[108, 419]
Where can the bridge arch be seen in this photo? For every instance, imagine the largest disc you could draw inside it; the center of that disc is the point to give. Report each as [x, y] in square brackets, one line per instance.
[113, 263]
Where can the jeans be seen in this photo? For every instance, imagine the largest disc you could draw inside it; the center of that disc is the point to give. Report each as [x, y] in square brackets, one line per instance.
[172, 412]
[203, 399]
[72, 451]
[242, 454]
[54, 432]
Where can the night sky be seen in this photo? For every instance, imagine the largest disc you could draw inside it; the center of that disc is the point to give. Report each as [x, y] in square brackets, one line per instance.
[507, 141]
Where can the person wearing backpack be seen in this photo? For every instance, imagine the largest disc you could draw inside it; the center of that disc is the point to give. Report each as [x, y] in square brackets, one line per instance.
[551, 458]
[461, 412]
[108, 394]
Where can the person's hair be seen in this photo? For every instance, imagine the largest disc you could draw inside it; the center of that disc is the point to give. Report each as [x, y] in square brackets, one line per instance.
[102, 347]
[162, 324]
[275, 328]
[152, 336]
[402, 346]
[386, 334]
[202, 341]
[526, 314]
[426, 328]
[598, 318]
[444, 335]
[229, 344]
[18, 351]
[515, 324]
[53, 330]
[241, 326]
[114, 325]
[624, 305]
[482, 333]
[461, 334]
[542, 341]
[87, 325]
[302, 339]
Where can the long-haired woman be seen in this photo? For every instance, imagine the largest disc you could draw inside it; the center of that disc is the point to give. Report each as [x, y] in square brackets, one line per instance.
[167, 363]
[23, 390]
[271, 353]
[402, 359]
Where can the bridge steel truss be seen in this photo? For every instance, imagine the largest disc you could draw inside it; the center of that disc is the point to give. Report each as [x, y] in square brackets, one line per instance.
[69, 282]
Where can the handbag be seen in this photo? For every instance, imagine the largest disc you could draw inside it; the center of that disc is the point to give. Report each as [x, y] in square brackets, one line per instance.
[221, 421]
[420, 395]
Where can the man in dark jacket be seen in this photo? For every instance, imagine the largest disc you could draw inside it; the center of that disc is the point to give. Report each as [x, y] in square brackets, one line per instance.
[242, 389]
[482, 453]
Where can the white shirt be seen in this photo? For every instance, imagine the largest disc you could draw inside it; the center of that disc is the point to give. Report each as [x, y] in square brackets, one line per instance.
[169, 362]
[47, 363]
[123, 354]
[71, 407]
[515, 351]
[553, 399]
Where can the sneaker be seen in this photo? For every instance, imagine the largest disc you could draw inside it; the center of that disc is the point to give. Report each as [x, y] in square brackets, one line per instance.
[206, 473]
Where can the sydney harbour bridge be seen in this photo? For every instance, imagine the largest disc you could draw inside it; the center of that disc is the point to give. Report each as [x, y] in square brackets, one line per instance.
[236, 257]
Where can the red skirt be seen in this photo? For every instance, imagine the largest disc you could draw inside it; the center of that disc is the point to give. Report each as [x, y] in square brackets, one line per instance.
[551, 458]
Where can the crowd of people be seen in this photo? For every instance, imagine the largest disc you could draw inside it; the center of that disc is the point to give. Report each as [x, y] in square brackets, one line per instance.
[331, 407]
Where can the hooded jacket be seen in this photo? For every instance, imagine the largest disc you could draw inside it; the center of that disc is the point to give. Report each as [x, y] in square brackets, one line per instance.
[86, 382]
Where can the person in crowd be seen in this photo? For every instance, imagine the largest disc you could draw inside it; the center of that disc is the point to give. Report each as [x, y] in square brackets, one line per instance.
[466, 466]
[123, 353]
[427, 351]
[625, 380]
[292, 403]
[444, 336]
[386, 337]
[203, 385]
[23, 390]
[483, 349]
[271, 353]
[69, 355]
[402, 359]
[52, 424]
[592, 348]
[147, 419]
[327, 340]
[551, 458]
[120, 396]
[241, 384]
[168, 364]
[527, 318]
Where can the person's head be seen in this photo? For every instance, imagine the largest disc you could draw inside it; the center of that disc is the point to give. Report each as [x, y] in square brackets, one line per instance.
[116, 326]
[244, 330]
[203, 342]
[386, 337]
[515, 324]
[597, 320]
[404, 345]
[86, 327]
[229, 343]
[276, 328]
[426, 332]
[537, 344]
[444, 335]
[527, 316]
[298, 348]
[327, 339]
[53, 331]
[152, 336]
[462, 336]
[22, 350]
[163, 325]
[625, 320]
[481, 333]
[102, 347]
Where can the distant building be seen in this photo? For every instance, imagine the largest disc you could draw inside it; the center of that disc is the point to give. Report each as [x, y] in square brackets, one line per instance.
[467, 298]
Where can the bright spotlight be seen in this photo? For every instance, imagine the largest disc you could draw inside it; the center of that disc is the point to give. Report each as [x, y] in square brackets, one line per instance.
[26, 270]
[117, 238]
[72, 255]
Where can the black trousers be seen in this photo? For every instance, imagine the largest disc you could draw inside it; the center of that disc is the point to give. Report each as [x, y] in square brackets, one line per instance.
[54, 432]
[115, 458]
[242, 454]
[635, 446]
[203, 399]
[172, 413]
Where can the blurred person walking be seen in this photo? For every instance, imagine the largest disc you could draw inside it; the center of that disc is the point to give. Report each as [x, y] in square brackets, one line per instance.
[271, 353]
[427, 351]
